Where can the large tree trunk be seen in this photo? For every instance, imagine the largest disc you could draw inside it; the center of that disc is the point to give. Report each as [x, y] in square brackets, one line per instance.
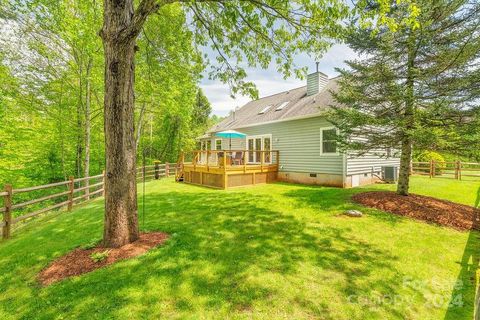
[409, 120]
[121, 220]
[404, 175]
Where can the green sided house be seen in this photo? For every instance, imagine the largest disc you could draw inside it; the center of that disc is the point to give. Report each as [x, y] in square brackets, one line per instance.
[282, 137]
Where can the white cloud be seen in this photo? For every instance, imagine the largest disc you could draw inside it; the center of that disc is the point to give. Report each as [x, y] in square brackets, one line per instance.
[270, 82]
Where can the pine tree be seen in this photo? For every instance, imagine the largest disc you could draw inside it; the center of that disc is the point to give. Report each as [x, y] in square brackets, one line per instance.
[411, 80]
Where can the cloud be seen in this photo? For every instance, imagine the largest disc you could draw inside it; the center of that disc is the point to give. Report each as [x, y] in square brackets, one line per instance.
[270, 82]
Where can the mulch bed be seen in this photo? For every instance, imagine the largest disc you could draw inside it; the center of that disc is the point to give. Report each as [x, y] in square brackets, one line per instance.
[443, 212]
[78, 261]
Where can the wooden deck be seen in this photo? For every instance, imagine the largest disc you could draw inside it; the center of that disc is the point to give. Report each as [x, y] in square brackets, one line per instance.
[226, 169]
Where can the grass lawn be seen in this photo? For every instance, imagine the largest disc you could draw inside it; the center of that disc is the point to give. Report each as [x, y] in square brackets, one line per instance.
[277, 251]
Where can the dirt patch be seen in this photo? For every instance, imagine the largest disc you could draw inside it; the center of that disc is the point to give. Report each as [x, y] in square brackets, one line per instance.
[443, 212]
[79, 261]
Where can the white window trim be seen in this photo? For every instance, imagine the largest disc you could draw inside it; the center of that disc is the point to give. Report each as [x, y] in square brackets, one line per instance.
[321, 142]
[214, 147]
[268, 135]
[206, 144]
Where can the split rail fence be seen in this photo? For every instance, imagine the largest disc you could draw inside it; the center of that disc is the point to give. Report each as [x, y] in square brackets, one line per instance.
[65, 194]
[448, 169]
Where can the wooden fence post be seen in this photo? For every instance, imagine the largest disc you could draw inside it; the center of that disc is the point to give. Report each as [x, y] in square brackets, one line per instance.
[167, 169]
[71, 186]
[455, 167]
[431, 168]
[459, 173]
[157, 169]
[7, 214]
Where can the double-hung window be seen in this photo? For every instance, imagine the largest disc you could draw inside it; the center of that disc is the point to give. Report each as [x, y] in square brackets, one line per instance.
[328, 141]
[218, 144]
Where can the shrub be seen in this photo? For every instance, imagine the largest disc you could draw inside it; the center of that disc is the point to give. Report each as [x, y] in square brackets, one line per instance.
[427, 156]
[99, 256]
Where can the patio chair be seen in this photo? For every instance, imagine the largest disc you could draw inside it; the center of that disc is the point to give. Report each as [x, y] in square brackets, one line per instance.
[238, 158]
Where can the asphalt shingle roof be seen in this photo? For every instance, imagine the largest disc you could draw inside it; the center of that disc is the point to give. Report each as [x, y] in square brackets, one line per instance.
[299, 105]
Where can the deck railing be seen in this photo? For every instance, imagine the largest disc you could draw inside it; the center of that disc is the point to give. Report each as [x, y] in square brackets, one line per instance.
[231, 158]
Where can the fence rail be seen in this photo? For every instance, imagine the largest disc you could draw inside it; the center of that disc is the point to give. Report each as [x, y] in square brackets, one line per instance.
[79, 186]
[451, 169]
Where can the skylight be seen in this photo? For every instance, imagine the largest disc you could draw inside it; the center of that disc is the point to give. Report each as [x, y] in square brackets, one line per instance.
[282, 105]
[265, 109]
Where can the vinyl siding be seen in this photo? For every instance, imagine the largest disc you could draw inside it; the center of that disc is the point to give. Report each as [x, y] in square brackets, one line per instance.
[299, 144]
[364, 164]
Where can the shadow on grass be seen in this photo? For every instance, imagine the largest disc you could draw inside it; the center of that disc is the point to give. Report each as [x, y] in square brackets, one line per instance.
[332, 199]
[465, 298]
[226, 252]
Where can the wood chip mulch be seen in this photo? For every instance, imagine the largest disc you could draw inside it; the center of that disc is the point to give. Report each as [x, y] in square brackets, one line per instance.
[432, 210]
[79, 261]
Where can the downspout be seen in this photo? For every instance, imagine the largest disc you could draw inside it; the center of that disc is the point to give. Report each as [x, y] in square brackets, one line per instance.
[344, 174]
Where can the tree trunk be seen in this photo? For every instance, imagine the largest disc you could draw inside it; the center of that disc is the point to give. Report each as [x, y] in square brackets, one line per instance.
[121, 219]
[404, 175]
[409, 120]
[87, 126]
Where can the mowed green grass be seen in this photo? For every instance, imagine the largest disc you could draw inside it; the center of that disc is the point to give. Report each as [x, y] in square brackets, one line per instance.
[277, 251]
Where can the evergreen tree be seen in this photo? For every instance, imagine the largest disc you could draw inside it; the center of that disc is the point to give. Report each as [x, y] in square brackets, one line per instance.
[201, 111]
[412, 80]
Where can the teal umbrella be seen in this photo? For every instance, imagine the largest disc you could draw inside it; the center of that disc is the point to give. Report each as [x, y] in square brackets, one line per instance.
[229, 134]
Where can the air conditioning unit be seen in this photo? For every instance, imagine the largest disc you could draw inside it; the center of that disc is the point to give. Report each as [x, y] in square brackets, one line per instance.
[390, 173]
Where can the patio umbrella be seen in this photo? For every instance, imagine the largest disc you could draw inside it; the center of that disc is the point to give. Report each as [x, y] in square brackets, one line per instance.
[230, 134]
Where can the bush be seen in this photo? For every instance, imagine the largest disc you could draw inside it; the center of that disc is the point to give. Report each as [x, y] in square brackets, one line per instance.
[99, 256]
[427, 156]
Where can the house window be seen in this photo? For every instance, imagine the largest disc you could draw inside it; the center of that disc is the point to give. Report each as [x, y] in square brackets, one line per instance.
[328, 141]
[218, 144]
[208, 145]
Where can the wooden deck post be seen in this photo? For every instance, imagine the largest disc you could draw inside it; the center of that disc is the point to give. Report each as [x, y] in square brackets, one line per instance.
[71, 186]
[262, 159]
[244, 161]
[7, 214]
[195, 160]
[208, 156]
[225, 179]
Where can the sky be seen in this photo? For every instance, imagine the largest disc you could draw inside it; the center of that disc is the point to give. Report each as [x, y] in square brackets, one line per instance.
[269, 82]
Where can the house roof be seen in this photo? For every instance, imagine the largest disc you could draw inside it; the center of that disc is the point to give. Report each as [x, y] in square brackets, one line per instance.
[299, 105]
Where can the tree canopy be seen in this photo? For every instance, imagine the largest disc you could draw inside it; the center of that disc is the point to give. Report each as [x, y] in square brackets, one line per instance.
[414, 87]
